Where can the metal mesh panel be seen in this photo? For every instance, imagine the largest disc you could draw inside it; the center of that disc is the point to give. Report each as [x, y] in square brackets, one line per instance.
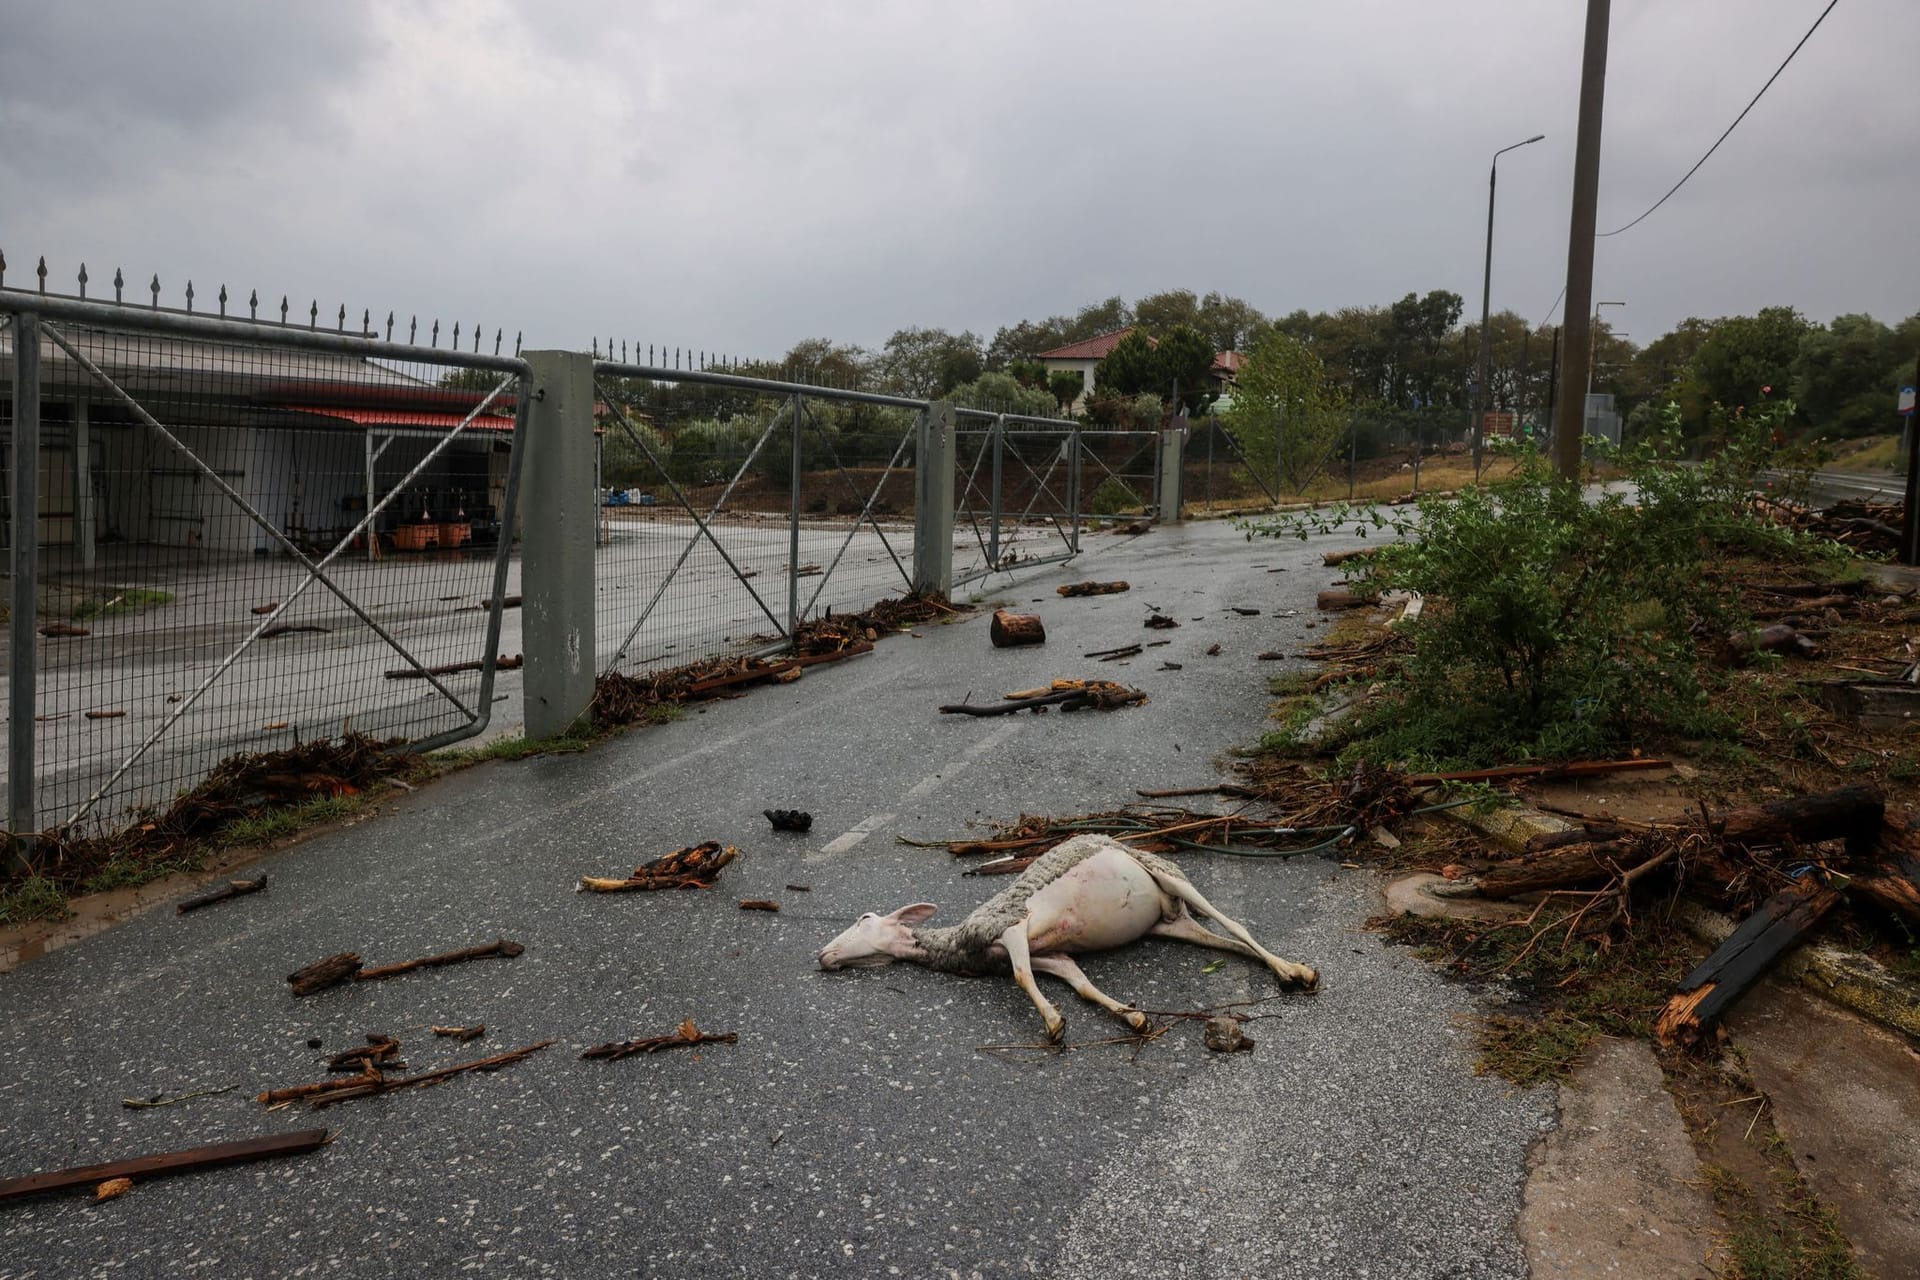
[1219, 476]
[179, 629]
[694, 523]
[855, 504]
[1015, 482]
[1117, 472]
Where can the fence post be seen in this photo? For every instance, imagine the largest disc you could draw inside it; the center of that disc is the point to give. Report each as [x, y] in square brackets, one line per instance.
[794, 479]
[993, 525]
[83, 486]
[556, 548]
[1074, 482]
[24, 554]
[933, 477]
[1171, 460]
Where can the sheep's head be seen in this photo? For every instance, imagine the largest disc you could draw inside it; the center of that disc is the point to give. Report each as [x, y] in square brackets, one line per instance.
[875, 939]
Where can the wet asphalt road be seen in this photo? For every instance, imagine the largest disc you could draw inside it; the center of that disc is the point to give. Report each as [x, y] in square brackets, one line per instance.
[856, 1129]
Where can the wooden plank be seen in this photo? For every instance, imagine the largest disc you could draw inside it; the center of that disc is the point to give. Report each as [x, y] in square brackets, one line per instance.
[208, 1157]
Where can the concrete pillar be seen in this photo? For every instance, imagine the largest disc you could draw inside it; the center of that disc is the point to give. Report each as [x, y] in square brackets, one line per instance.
[556, 547]
[933, 476]
[1172, 459]
[83, 485]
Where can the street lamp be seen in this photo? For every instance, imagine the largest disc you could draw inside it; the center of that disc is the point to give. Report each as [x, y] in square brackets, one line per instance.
[1482, 400]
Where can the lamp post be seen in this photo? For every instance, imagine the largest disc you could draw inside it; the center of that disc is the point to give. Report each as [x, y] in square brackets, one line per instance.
[1482, 400]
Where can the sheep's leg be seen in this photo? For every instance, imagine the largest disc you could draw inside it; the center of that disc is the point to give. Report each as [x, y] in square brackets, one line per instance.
[1015, 941]
[1184, 928]
[1067, 971]
[1184, 891]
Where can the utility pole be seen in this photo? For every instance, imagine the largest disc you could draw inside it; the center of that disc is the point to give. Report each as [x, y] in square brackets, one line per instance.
[1569, 423]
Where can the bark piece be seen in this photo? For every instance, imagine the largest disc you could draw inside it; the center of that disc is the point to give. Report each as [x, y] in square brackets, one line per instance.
[322, 974]
[1564, 868]
[503, 947]
[1009, 630]
[684, 1036]
[758, 904]
[1072, 589]
[694, 867]
[379, 1086]
[231, 889]
[1705, 995]
[1854, 813]
[207, 1157]
[462, 1034]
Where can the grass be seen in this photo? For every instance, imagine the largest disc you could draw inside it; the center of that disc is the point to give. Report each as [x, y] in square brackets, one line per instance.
[36, 898]
[275, 824]
[123, 600]
[1874, 453]
[1570, 994]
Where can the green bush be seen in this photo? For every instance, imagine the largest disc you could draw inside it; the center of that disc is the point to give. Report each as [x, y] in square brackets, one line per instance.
[1563, 622]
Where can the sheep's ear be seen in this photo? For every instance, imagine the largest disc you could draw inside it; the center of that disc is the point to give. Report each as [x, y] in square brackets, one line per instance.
[915, 914]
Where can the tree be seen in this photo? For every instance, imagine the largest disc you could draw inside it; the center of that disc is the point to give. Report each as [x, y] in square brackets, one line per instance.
[927, 363]
[1159, 312]
[1186, 363]
[999, 393]
[825, 362]
[1024, 341]
[1097, 318]
[1065, 385]
[1286, 408]
[1845, 375]
[1745, 353]
[1132, 367]
[1229, 323]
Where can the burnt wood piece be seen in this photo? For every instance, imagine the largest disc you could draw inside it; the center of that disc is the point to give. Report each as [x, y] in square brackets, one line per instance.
[372, 1087]
[1339, 598]
[797, 820]
[1594, 834]
[1072, 589]
[1333, 558]
[289, 628]
[758, 904]
[1561, 868]
[322, 974]
[1855, 813]
[1894, 884]
[684, 1036]
[231, 889]
[1065, 699]
[1705, 995]
[207, 1157]
[694, 867]
[499, 947]
[462, 1034]
[375, 1051]
[1009, 630]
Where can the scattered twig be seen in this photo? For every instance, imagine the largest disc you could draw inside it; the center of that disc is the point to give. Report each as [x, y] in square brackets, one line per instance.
[683, 1036]
[499, 947]
[231, 889]
[157, 1100]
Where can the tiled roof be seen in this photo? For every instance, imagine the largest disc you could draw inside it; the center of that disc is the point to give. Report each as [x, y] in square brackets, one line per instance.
[1091, 349]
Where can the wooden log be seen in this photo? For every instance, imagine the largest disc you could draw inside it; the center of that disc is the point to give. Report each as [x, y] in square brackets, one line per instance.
[1564, 868]
[498, 947]
[1855, 813]
[759, 904]
[231, 889]
[1009, 630]
[1072, 589]
[1597, 834]
[1340, 598]
[1540, 772]
[322, 974]
[1705, 995]
[207, 1157]
[1335, 558]
[1778, 638]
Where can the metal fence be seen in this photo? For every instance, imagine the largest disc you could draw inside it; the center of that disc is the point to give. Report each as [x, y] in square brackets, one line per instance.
[737, 508]
[226, 537]
[245, 536]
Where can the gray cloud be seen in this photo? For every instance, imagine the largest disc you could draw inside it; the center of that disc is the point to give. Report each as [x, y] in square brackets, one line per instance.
[738, 177]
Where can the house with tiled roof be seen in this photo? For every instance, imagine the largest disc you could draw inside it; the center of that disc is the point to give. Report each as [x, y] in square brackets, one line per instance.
[1083, 357]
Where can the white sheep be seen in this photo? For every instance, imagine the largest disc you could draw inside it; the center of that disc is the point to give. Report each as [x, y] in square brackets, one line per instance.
[1088, 893]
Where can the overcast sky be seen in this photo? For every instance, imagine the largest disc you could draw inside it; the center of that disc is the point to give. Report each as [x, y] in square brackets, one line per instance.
[736, 177]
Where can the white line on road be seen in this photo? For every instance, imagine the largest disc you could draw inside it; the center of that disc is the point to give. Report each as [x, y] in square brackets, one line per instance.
[852, 837]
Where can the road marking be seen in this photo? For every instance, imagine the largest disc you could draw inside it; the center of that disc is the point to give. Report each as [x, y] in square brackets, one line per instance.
[854, 835]
[851, 838]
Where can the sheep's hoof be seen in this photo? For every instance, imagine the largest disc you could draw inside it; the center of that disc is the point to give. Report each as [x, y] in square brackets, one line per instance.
[1136, 1019]
[1056, 1029]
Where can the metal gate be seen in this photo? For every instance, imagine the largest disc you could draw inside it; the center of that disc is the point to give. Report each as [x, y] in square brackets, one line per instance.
[1015, 481]
[234, 567]
[737, 508]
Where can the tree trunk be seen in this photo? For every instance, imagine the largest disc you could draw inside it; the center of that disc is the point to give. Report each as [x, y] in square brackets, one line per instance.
[1564, 867]
[1854, 812]
[1011, 629]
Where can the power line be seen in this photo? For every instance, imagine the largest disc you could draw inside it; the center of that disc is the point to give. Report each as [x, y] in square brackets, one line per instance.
[1730, 128]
